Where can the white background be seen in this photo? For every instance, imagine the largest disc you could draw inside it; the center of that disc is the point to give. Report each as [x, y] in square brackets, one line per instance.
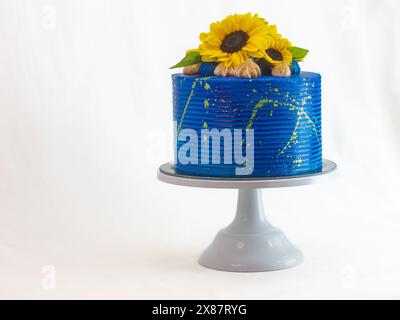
[85, 119]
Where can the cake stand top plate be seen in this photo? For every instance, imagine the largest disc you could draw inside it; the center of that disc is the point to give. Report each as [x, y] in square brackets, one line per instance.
[167, 174]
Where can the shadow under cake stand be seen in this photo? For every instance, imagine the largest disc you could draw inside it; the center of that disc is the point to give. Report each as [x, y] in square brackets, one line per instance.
[250, 243]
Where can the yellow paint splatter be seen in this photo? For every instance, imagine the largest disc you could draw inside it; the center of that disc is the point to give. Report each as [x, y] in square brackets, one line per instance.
[258, 106]
[191, 94]
[293, 137]
[298, 161]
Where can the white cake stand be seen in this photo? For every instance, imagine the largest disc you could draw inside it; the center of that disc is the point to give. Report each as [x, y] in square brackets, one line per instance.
[250, 243]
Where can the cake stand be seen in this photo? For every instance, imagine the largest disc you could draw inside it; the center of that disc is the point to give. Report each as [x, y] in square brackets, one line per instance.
[250, 243]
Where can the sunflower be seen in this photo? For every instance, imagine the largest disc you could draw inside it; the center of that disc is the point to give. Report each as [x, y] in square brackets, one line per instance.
[235, 39]
[278, 51]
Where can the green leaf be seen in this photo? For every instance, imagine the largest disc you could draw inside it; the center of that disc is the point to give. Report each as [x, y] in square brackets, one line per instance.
[192, 57]
[298, 53]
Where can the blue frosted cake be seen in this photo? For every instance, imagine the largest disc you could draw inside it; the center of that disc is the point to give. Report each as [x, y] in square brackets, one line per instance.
[242, 107]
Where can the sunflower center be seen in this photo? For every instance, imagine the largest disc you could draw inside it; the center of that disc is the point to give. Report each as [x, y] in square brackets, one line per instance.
[234, 41]
[274, 54]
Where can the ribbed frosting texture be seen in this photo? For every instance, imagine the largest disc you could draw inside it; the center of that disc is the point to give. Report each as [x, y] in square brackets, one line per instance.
[285, 114]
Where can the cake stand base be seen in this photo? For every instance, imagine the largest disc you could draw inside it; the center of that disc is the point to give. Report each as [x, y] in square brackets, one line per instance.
[250, 243]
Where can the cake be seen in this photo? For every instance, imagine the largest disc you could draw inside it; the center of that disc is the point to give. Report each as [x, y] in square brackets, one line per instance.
[243, 108]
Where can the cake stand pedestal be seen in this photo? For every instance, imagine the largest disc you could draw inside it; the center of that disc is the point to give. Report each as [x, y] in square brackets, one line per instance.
[250, 243]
